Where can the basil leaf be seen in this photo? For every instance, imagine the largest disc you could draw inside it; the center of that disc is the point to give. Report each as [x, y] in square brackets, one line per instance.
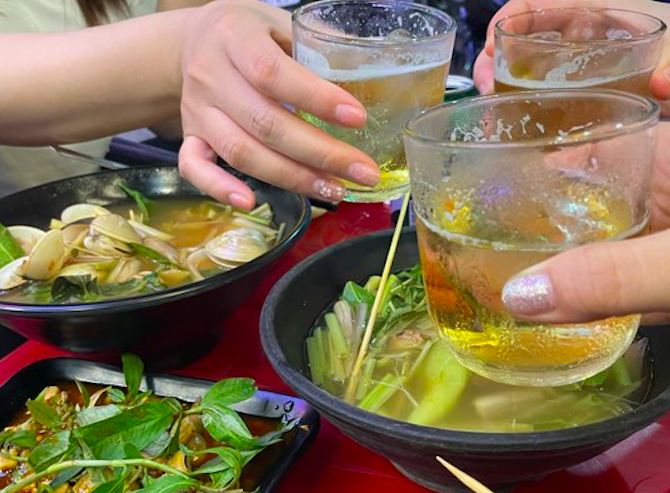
[272, 437]
[222, 480]
[9, 248]
[116, 395]
[139, 426]
[133, 368]
[159, 445]
[64, 476]
[114, 486]
[169, 484]
[94, 473]
[226, 459]
[131, 451]
[44, 414]
[79, 288]
[140, 199]
[22, 438]
[356, 295]
[225, 425]
[94, 414]
[50, 451]
[230, 391]
[151, 254]
[83, 391]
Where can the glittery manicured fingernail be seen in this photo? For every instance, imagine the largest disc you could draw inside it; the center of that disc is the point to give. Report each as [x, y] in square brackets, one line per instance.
[529, 295]
[363, 174]
[329, 190]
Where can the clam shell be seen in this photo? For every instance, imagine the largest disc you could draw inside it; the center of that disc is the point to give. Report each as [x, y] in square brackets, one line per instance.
[237, 246]
[81, 270]
[115, 227]
[106, 246]
[47, 258]
[144, 231]
[77, 212]
[26, 236]
[10, 274]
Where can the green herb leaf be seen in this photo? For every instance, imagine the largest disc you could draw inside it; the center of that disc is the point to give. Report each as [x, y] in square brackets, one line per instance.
[50, 451]
[94, 473]
[9, 248]
[114, 486]
[356, 295]
[83, 391]
[44, 414]
[133, 368]
[226, 459]
[159, 445]
[169, 484]
[64, 476]
[22, 438]
[230, 391]
[116, 395]
[222, 480]
[151, 254]
[225, 425]
[75, 288]
[140, 199]
[131, 451]
[94, 414]
[139, 426]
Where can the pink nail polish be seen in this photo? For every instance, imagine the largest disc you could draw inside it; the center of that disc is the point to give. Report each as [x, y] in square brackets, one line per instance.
[240, 200]
[529, 295]
[363, 174]
[349, 114]
[329, 190]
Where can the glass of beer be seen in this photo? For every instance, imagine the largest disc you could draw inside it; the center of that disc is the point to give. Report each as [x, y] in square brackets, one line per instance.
[501, 183]
[576, 48]
[393, 57]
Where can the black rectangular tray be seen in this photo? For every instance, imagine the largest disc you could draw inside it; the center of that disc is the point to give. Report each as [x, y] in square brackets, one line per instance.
[29, 381]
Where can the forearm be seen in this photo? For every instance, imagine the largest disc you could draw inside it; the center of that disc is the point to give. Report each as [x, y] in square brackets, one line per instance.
[74, 86]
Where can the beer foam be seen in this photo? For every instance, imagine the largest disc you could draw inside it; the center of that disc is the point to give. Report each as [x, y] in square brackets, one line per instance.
[318, 64]
[557, 78]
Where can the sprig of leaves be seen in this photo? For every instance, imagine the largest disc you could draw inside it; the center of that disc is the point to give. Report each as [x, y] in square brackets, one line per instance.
[142, 201]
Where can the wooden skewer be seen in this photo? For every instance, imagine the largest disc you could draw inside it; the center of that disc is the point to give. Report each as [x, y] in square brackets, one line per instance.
[353, 381]
[464, 478]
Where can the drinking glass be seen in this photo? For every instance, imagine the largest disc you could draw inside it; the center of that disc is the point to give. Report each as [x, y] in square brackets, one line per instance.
[577, 48]
[501, 183]
[393, 57]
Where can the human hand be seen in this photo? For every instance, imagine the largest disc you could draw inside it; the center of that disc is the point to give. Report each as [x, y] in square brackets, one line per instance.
[605, 279]
[237, 76]
[660, 82]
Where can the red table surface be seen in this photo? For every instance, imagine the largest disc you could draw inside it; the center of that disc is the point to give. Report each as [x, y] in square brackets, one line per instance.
[335, 463]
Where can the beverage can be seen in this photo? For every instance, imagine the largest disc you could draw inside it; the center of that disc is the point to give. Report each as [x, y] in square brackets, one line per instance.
[459, 87]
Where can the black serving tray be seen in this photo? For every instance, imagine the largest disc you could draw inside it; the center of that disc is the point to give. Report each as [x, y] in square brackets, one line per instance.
[29, 381]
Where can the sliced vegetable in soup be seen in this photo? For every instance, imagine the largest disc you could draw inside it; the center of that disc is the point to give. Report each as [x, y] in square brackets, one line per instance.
[410, 374]
[93, 253]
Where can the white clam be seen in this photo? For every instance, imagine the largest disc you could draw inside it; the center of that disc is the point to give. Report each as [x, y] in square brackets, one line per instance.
[115, 227]
[77, 212]
[89, 269]
[124, 271]
[106, 246]
[237, 246]
[145, 231]
[26, 236]
[11, 274]
[165, 249]
[73, 234]
[47, 258]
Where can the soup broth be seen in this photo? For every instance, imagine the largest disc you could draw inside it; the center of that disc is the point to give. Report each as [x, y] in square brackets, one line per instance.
[92, 253]
[409, 373]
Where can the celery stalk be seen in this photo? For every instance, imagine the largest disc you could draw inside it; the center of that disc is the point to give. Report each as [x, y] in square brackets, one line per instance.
[340, 346]
[366, 379]
[380, 393]
[316, 367]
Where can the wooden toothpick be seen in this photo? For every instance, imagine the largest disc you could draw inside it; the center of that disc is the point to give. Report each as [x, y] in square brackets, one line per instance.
[464, 478]
[353, 380]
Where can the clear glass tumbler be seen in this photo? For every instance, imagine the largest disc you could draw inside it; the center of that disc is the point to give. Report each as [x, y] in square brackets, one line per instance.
[503, 182]
[577, 48]
[393, 57]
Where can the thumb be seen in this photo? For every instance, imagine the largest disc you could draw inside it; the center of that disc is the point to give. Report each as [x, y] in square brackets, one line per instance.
[660, 79]
[594, 282]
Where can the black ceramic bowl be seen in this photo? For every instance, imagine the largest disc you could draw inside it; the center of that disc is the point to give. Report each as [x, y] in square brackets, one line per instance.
[168, 328]
[496, 459]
